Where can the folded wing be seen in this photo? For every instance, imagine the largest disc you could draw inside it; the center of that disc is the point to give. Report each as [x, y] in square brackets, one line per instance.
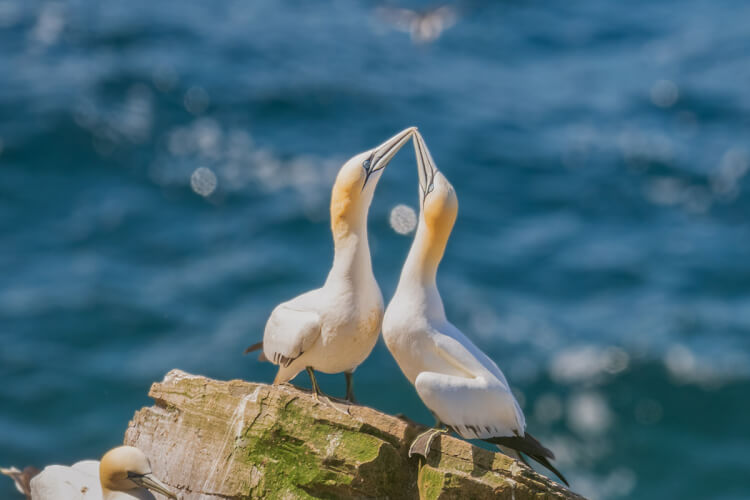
[477, 405]
[289, 333]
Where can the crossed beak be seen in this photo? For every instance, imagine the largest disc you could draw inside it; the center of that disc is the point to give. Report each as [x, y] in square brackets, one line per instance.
[426, 168]
[382, 155]
[153, 484]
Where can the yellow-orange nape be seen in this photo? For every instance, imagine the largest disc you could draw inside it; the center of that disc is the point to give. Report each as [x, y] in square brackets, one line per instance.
[439, 212]
[347, 195]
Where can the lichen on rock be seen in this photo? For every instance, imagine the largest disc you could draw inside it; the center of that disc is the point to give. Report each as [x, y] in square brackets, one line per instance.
[212, 439]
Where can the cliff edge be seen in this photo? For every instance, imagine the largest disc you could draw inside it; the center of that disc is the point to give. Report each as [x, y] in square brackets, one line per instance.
[213, 439]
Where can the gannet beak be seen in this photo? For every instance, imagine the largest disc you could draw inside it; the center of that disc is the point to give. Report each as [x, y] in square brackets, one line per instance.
[426, 168]
[382, 155]
[153, 484]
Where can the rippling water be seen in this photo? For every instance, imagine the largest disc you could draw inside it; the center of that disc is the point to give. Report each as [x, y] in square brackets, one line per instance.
[165, 170]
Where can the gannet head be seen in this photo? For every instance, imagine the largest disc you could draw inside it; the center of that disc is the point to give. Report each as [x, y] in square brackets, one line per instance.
[438, 201]
[125, 468]
[437, 197]
[356, 181]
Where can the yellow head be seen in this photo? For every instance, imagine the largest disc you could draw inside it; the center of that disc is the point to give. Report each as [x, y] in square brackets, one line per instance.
[356, 181]
[439, 204]
[125, 468]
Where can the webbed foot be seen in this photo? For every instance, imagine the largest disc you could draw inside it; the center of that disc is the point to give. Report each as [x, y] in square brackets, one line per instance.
[422, 443]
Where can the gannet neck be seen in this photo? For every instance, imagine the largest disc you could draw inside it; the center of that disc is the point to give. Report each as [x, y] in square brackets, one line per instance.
[424, 256]
[350, 204]
[351, 256]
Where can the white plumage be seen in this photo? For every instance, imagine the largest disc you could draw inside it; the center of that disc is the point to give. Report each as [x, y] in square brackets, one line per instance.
[80, 481]
[334, 328]
[124, 473]
[463, 388]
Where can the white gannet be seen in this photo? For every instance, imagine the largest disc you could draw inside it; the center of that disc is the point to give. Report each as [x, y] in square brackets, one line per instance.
[424, 25]
[461, 386]
[124, 473]
[333, 329]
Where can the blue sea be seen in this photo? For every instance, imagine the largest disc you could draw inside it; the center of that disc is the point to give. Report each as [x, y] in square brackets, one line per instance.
[165, 172]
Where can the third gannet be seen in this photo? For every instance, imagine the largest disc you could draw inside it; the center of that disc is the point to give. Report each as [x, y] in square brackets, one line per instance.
[124, 473]
[463, 388]
[333, 329]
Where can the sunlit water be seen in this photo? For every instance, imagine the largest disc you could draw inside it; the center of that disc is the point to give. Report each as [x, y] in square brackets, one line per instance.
[165, 169]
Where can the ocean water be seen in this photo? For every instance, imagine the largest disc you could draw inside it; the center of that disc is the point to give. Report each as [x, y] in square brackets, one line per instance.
[165, 169]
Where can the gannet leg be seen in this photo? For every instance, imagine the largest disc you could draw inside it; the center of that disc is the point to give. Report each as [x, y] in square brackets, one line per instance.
[315, 387]
[350, 388]
[319, 396]
[422, 444]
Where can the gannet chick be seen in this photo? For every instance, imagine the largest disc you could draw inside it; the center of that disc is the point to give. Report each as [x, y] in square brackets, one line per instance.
[463, 388]
[124, 473]
[333, 329]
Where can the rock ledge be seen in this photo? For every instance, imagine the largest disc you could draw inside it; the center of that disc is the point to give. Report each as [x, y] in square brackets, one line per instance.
[211, 439]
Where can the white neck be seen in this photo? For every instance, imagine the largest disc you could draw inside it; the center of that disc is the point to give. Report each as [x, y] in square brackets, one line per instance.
[417, 268]
[351, 257]
[418, 276]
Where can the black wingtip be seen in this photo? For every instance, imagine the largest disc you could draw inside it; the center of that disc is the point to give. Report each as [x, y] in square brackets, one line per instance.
[254, 347]
[546, 463]
[532, 448]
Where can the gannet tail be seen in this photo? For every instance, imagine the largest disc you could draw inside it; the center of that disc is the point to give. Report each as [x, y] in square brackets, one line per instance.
[530, 446]
[255, 347]
[21, 478]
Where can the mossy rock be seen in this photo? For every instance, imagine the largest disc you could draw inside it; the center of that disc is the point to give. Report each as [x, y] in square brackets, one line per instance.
[213, 439]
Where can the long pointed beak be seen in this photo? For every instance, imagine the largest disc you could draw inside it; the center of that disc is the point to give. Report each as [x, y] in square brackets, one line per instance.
[383, 154]
[426, 168]
[153, 484]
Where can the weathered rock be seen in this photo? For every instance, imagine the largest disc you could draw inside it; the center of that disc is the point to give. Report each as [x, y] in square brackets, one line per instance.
[218, 440]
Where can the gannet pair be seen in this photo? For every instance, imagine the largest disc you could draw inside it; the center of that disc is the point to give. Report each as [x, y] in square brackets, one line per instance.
[463, 388]
[124, 473]
[333, 329]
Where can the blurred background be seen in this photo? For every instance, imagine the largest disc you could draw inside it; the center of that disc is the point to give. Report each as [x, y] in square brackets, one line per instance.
[165, 171]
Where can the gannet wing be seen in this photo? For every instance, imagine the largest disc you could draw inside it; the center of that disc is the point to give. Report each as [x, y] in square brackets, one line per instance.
[479, 404]
[531, 446]
[466, 351]
[476, 408]
[482, 407]
[289, 333]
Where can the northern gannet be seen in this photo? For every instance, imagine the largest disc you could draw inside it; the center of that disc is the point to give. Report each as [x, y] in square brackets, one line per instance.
[124, 473]
[461, 386]
[333, 329]
[425, 25]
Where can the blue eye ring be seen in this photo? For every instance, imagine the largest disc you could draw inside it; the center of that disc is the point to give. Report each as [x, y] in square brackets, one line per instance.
[366, 164]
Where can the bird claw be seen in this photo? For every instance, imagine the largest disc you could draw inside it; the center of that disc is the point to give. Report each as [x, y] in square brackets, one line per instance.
[336, 406]
[422, 443]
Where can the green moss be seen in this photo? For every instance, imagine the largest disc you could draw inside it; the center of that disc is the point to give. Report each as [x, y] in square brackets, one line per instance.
[288, 464]
[431, 483]
[359, 448]
[307, 457]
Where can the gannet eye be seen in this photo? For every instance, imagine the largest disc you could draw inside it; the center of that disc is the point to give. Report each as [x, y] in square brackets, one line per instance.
[366, 164]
